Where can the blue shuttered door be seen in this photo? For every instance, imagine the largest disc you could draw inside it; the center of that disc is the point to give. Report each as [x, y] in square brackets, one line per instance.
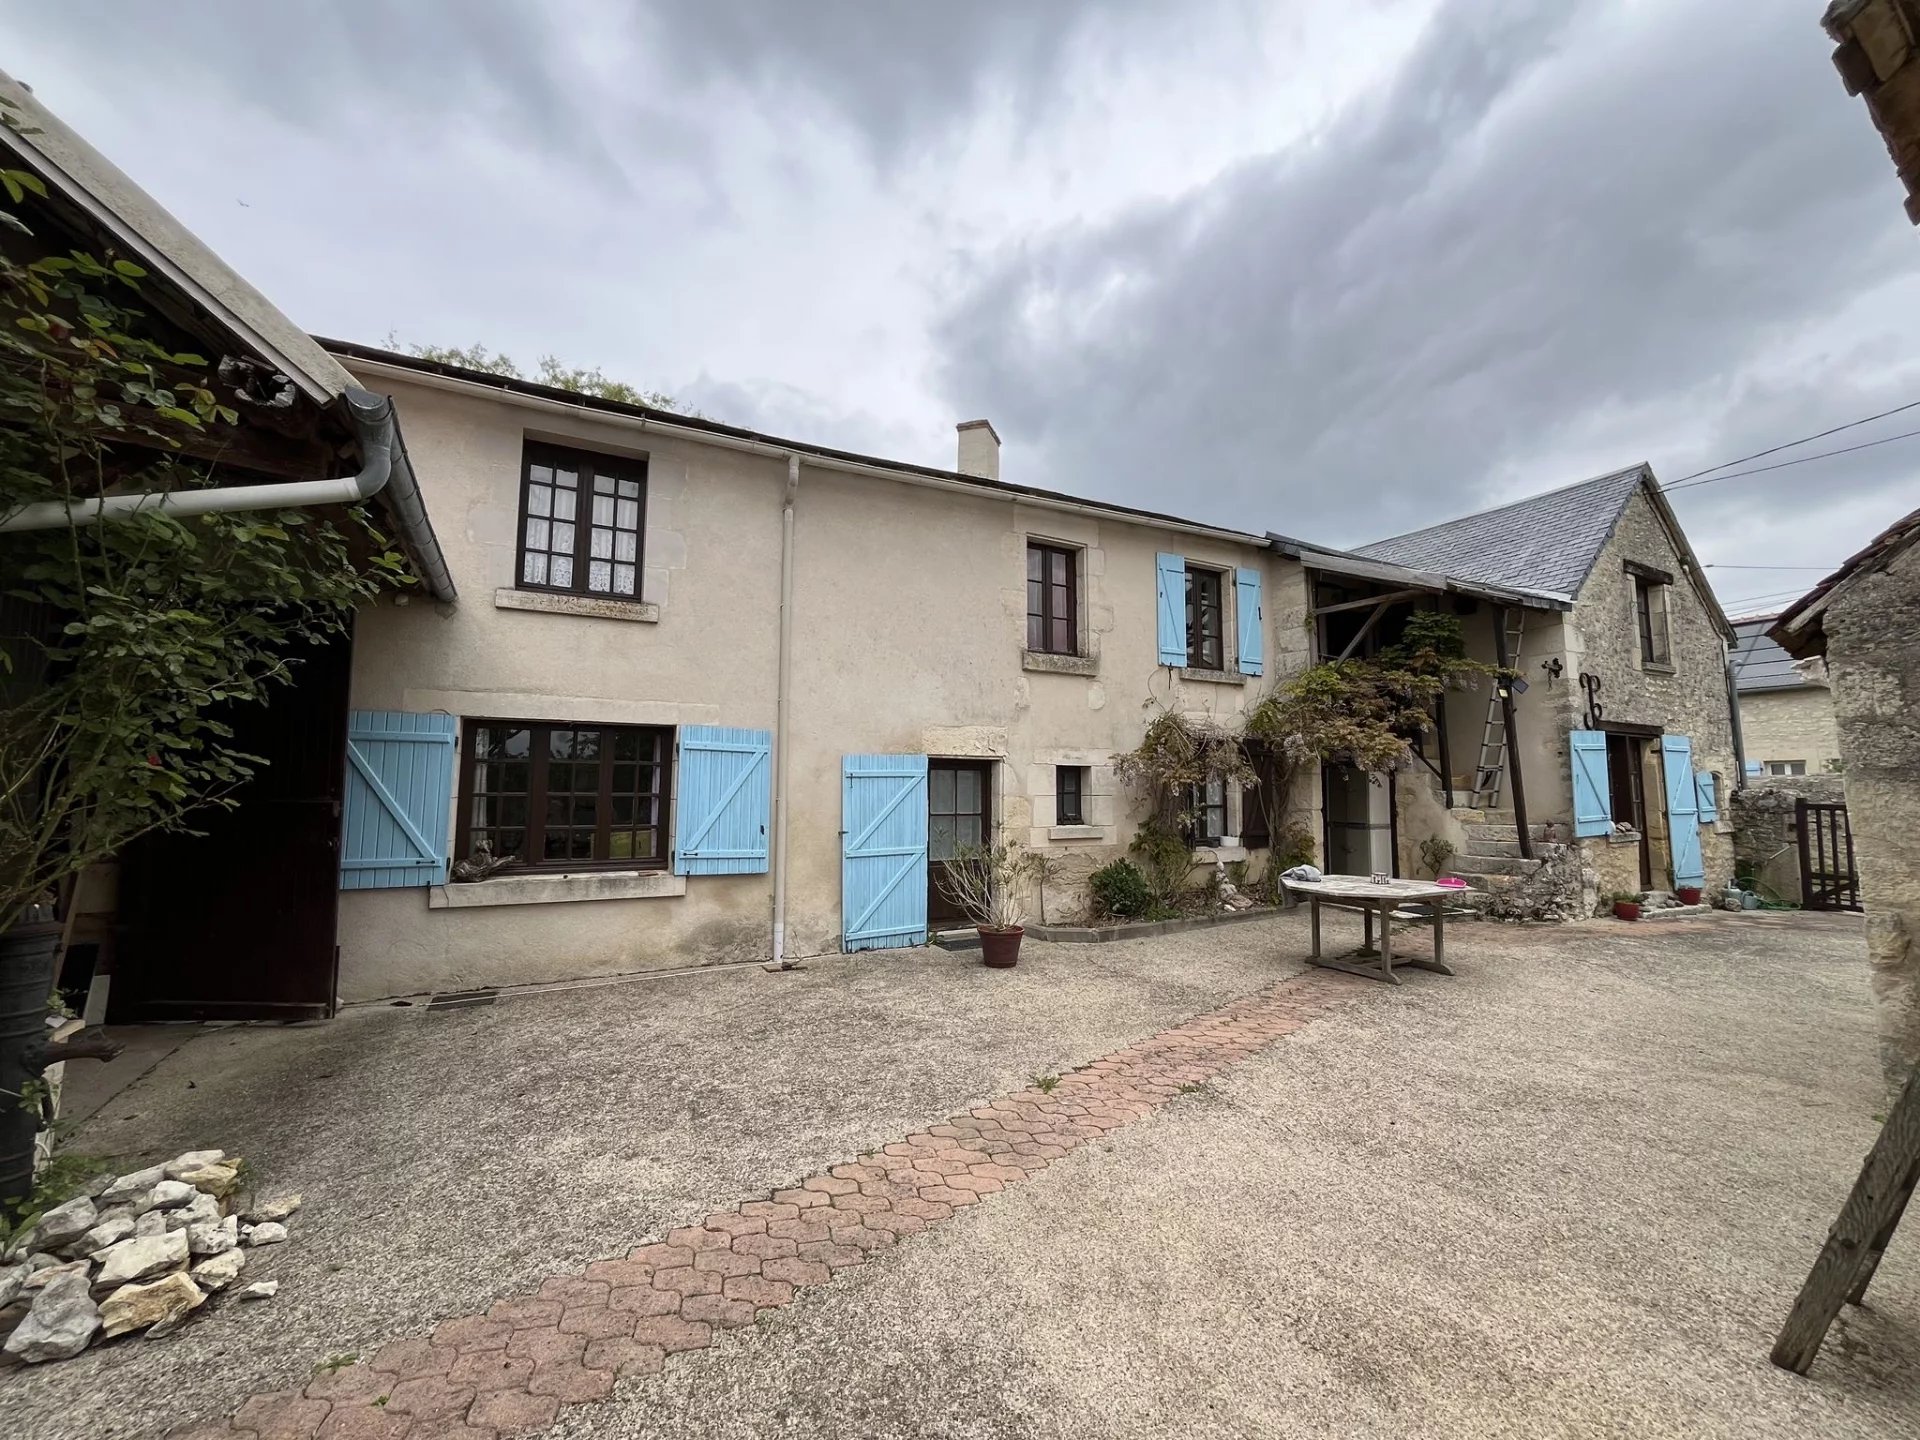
[1170, 572]
[1592, 794]
[399, 789]
[725, 785]
[883, 867]
[1246, 588]
[1683, 810]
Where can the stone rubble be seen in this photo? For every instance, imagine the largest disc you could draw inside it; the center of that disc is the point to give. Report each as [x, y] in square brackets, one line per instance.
[133, 1253]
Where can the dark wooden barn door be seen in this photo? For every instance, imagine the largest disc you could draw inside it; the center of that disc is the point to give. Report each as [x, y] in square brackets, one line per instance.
[239, 922]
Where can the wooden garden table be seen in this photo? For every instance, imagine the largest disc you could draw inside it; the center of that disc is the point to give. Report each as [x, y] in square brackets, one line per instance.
[1357, 892]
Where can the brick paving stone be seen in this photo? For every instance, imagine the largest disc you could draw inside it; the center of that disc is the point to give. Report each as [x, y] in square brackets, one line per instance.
[512, 1369]
[514, 1412]
[689, 1281]
[797, 1272]
[671, 1333]
[350, 1382]
[624, 1356]
[758, 1290]
[524, 1311]
[543, 1345]
[431, 1397]
[282, 1415]
[359, 1421]
[645, 1300]
[570, 1382]
[718, 1310]
[491, 1370]
[596, 1322]
[471, 1332]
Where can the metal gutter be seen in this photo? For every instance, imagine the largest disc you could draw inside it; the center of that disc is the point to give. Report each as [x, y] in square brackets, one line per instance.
[560, 402]
[385, 468]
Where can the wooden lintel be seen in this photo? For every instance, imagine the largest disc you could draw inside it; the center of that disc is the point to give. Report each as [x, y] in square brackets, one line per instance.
[1387, 599]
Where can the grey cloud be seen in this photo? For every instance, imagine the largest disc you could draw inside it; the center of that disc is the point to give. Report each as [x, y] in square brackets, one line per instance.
[1557, 235]
[896, 72]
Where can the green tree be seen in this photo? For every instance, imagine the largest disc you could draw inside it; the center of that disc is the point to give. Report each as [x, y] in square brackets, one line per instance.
[549, 371]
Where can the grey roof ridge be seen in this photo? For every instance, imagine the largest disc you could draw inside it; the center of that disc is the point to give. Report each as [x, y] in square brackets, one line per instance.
[1642, 466]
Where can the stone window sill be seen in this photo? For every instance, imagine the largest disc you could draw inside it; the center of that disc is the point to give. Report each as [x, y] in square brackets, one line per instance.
[1623, 837]
[1213, 677]
[642, 611]
[1077, 832]
[1654, 667]
[1045, 664]
[555, 889]
[1208, 854]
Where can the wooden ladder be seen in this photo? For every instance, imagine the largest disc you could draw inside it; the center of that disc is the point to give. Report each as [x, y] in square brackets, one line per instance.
[1859, 1237]
[1489, 774]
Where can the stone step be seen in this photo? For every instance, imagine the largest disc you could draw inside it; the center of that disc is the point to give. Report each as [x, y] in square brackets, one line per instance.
[1486, 884]
[1466, 866]
[1469, 815]
[1506, 831]
[1510, 849]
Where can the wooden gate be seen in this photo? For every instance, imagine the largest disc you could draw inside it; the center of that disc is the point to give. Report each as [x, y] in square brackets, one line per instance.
[1828, 879]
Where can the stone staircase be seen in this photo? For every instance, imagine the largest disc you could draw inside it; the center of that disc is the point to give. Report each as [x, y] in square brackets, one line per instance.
[1492, 860]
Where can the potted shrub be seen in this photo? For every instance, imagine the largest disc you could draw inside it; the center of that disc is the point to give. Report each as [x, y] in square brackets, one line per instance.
[1626, 905]
[989, 882]
[1687, 894]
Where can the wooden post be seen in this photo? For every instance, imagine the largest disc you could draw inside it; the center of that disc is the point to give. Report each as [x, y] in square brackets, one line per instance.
[1446, 750]
[1506, 721]
[1859, 1237]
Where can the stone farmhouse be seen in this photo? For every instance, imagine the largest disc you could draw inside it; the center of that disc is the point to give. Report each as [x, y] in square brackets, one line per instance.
[731, 697]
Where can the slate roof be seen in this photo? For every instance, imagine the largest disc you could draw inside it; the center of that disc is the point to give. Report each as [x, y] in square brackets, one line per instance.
[1546, 542]
[1758, 661]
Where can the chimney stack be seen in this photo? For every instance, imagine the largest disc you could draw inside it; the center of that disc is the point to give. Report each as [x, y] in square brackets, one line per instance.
[979, 449]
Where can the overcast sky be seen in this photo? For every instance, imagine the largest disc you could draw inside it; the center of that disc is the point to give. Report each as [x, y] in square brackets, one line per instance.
[1338, 268]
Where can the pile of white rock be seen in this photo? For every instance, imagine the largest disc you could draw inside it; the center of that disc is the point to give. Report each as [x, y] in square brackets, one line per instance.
[133, 1252]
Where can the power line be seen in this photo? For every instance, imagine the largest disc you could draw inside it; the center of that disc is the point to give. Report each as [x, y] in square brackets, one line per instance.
[1770, 595]
[1716, 565]
[1803, 440]
[1783, 464]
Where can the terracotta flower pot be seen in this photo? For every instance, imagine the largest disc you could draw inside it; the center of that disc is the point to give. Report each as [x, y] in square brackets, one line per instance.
[1000, 948]
[1687, 894]
[1622, 910]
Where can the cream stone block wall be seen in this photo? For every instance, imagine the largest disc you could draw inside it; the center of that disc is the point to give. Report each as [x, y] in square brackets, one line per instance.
[1791, 725]
[909, 632]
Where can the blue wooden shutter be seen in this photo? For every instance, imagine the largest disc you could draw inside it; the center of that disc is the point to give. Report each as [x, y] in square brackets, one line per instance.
[1246, 586]
[393, 829]
[1706, 793]
[1592, 792]
[1683, 810]
[883, 836]
[725, 794]
[1171, 574]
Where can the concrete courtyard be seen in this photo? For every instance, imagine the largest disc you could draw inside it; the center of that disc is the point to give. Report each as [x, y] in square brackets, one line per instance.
[1569, 1191]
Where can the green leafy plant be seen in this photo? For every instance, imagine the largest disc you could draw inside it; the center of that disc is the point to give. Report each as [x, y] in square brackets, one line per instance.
[1119, 891]
[141, 632]
[989, 882]
[57, 1182]
[1164, 858]
[1292, 846]
[1045, 1083]
[582, 380]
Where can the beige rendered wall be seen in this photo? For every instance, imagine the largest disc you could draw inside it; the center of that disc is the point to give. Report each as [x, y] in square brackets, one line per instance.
[1791, 725]
[909, 624]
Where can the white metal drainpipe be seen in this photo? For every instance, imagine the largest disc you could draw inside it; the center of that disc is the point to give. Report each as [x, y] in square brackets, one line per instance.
[782, 704]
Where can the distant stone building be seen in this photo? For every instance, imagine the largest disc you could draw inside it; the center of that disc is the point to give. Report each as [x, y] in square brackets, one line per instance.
[1786, 706]
[1865, 620]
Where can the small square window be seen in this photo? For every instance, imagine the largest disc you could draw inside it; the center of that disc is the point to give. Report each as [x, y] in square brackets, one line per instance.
[582, 522]
[1053, 616]
[1786, 767]
[565, 796]
[1070, 795]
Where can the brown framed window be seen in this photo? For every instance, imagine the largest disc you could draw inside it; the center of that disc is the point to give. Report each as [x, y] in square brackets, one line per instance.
[1207, 811]
[1053, 621]
[566, 796]
[1069, 794]
[1206, 649]
[582, 522]
[1650, 614]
